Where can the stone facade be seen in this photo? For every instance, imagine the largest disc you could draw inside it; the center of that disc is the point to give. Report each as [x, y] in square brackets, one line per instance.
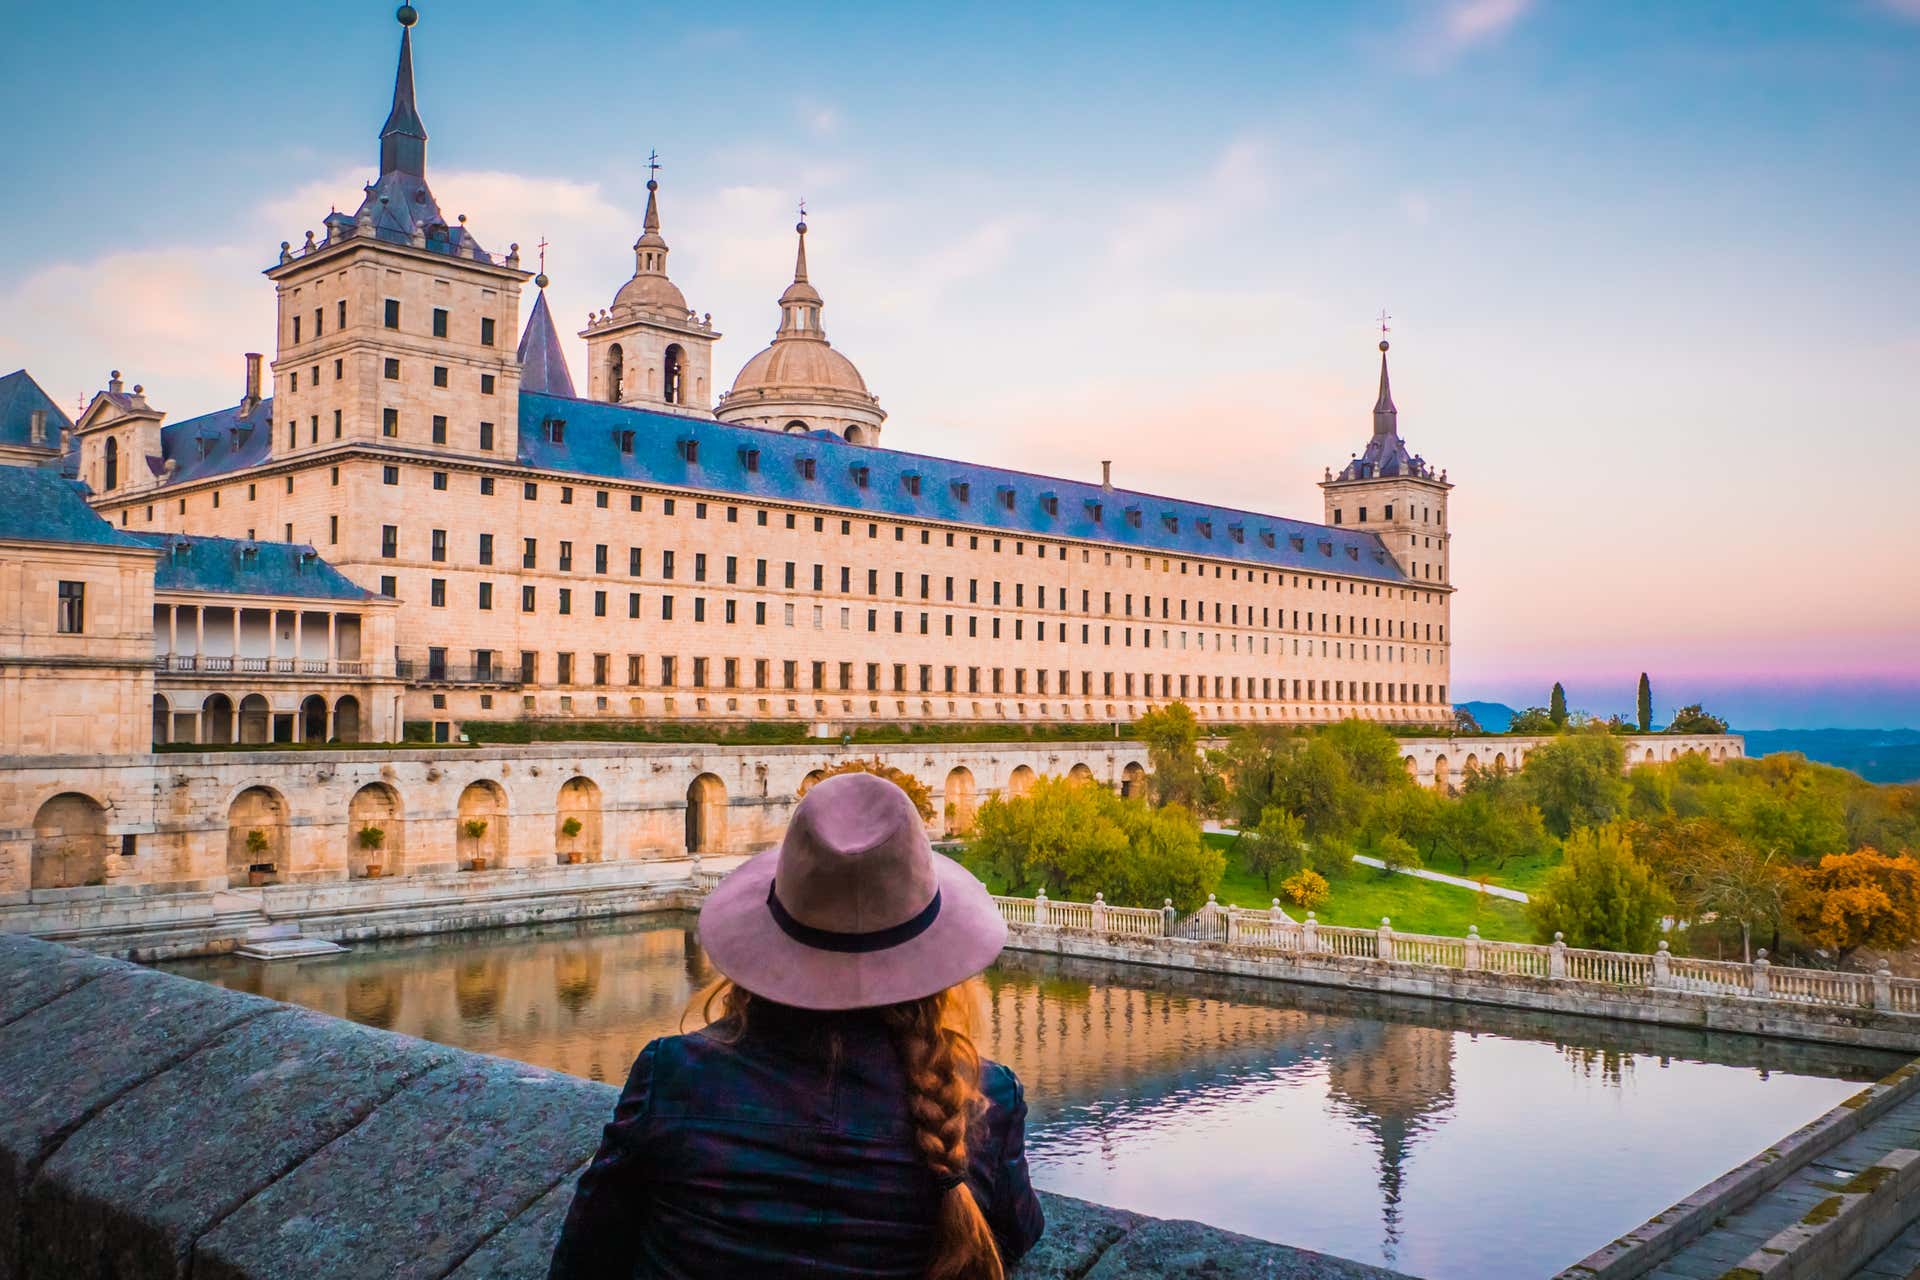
[536, 583]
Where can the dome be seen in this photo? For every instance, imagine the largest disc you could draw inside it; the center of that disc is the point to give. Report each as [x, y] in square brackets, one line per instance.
[651, 293]
[799, 367]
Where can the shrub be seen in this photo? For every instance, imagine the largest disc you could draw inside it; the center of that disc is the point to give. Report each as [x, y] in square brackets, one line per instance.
[474, 828]
[1601, 896]
[570, 828]
[1307, 888]
[371, 838]
[257, 842]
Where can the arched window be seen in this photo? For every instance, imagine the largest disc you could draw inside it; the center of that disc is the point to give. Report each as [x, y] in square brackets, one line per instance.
[616, 369]
[111, 480]
[855, 436]
[670, 385]
[795, 428]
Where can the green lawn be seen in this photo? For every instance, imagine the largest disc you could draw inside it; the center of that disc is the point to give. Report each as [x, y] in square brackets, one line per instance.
[1363, 896]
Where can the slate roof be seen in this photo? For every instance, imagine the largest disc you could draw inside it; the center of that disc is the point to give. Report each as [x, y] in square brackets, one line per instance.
[543, 364]
[913, 486]
[20, 395]
[237, 566]
[38, 504]
[218, 442]
[1386, 453]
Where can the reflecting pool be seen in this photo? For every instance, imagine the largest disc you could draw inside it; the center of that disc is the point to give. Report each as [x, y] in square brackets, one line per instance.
[1444, 1140]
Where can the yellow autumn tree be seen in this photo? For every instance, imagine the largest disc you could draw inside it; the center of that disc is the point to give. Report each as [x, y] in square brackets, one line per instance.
[1853, 900]
[916, 790]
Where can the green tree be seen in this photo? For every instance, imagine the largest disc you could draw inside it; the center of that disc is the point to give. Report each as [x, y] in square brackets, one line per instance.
[1643, 705]
[1076, 840]
[1172, 735]
[1557, 706]
[1251, 768]
[1318, 786]
[1534, 720]
[1491, 824]
[1740, 884]
[1601, 896]
[1165, 858]
[1694, 718]
[1277, 844]
[1576, 781]
[1371, 752]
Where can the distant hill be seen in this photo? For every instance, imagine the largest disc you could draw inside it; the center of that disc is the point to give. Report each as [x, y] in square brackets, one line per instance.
[1878, 755]
[1494, 717]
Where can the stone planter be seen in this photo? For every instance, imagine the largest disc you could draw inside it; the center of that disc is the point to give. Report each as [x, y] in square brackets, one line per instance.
[574, 859]
[476, 864]
[375, 871]
[257, 876]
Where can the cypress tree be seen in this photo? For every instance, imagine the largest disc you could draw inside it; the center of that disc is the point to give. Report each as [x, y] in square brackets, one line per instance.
[1557, 706]
[1645, 705]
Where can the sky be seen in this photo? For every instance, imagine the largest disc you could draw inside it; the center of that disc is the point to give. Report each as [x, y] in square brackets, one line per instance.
[1650, 267]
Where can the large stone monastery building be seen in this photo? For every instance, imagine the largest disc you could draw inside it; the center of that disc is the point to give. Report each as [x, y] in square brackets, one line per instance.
[635, 545]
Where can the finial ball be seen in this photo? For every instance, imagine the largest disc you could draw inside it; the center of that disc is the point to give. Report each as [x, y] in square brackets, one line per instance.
[407, 15]
[540, 281]
[1383, 344]
[652, 185]
[801, 227]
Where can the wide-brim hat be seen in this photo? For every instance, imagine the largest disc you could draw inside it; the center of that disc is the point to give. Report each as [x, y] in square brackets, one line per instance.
[854, 909]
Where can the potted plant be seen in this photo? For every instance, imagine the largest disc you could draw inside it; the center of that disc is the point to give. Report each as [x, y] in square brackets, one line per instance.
[371, 839]
[475, 829]
[261, 872]
[571, 828]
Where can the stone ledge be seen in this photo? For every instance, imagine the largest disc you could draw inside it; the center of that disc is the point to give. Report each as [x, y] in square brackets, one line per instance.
[154, 1127]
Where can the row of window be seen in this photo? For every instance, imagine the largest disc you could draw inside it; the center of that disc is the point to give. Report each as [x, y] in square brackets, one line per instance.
[389, 318]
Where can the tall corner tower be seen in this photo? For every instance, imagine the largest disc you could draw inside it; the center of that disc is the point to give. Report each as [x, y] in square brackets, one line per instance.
[396, 327]
[649, 348]
[1391, 491]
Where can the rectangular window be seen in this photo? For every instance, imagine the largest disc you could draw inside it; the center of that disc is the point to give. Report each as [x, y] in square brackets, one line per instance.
[389, 422]
[600, 558]
[666, 564]
[439, 428]
[566, 557]
[699, 566]
[389, 475]
[389, 541]
[439, 322]
[486, 486]
[599, 604]
[530, 553]
[486, 384]
[393, 313]
[566, 600]
[439, 551]
[633, 604]
[486, 340]
[565, 673]
[486, 595]
[440, 481]
[526, 600]
[437, 592]
[439, 375]
[73, 608]
[486, 437]
[486, 548]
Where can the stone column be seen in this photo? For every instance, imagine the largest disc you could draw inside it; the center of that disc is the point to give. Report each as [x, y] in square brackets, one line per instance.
[199, 636]
[299, 633]
[1472, 960]
[1883, 987]
[333, 639]
[1099, 913]
[1557, 957]
[173, 632]
[236, 659]
[1662, 966]
[1762, 982]
[1040, 908]
[273, 636]
[1386, 938]
[1310, 934]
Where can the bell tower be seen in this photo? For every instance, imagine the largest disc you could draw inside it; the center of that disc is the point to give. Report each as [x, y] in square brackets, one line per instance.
[1391, 491]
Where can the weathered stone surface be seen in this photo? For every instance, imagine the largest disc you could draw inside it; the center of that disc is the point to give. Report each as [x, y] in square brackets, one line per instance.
[63, 1062]
[126, 1196]
[1078, 1232]
[38, 972]
[524, 1246]
[1161, 1248]
[424, 1180]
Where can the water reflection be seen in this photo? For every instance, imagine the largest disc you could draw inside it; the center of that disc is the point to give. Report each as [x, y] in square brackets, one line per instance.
[1441, 1139]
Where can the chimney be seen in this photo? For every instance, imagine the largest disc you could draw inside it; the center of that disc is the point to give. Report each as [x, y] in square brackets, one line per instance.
[252, 395]
[38, 419]
[1106, 474]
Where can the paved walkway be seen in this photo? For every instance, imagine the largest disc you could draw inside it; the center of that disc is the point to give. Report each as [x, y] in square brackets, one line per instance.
[1421, 873]
[1721, 1250]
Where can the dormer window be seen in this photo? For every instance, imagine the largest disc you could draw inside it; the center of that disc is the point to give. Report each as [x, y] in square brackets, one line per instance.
[625, 440]
[1171, 521]
[1205, 527]
[911, 482]
[750, 460]
[1326, 546]
[1135, 517]
[1093, 510]
[1267, 539]
[1298, 541]
[1353, 552]
[556, 430]
[961, 490]
[805, 467]
[689, 449]
[1007, 496]
[1050, 504]
[860, 475]
[1237, 532]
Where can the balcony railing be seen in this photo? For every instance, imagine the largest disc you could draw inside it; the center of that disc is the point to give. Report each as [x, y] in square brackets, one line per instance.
[226, 663]
[426, 671]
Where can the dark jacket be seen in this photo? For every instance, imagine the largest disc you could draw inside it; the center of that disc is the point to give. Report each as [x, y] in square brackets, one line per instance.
[787, 1153]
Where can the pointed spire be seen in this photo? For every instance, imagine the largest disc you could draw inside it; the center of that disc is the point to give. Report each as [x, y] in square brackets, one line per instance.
[1386, 419]
[652, 222]
[800, 305]
[800, 257]
[403, 139]
[543, 365]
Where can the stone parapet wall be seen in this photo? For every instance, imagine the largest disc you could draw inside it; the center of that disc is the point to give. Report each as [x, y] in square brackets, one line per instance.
[152, 1126]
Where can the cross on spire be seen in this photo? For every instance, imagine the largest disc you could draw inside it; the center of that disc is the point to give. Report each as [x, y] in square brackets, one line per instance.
[1384, 317]
[653, 163]
[542, 246]
[803, 208]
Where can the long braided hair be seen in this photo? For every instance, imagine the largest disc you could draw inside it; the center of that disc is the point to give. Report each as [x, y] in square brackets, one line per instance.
[933, 1037]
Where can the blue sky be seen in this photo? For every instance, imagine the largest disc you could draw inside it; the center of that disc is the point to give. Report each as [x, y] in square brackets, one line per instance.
[1651, 266]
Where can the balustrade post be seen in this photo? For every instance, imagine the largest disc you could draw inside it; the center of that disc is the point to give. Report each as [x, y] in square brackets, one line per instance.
[1386, 938]
[1472, 960]
[1662, 966]
[1040, 912]
[1557, 957]
[1099, 913]
[1883, 987]
[1310, 934]
[1762, 984]
[1170, 916]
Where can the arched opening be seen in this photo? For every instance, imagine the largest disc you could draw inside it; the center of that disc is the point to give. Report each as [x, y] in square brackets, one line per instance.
[706, 814]
[959, 801]
[110, 479]
[162, 720]
[616, 372]
[806, 783]
[256, 837]
[576, 821]
[256, 719]
[1442, 775]
[1133, 780]
[1720, 754]
[1413, 767]
[70, 843]
[1080, 773]
[481, 833]
[673, 377]
[1019, 782]
[795, 428]
[1500, 762]
[216, 719]
[376, 835]
[346, 719]
[855, 435]
[313, 718]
